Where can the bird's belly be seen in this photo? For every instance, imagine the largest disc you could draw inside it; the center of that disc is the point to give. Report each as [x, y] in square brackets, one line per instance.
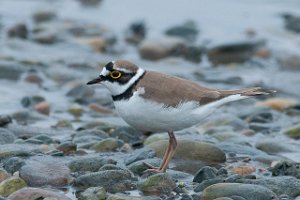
[151, 116]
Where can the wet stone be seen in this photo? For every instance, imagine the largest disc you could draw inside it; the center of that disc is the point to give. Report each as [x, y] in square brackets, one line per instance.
[6, 136]
[11, 185]
[139, 167]
[90, 163]
[206, 183]
[43, 108]
[136, 32]
[237, 189]
[292, 23]
[45, 37]
[5, 119]
[45, 170]
[139, 154]
[205, 173]
[18, 31]
[13, 164]
[187, 31]
[67, 147]
[10, 70]
[285, 168]
[43, 16]
[93, 193]
[11, 150]
[293, 132]
[157, 184]
[111, 180]
[108, 144]
[3, 175]
[30, 193]
[272, 147]
[128, 134]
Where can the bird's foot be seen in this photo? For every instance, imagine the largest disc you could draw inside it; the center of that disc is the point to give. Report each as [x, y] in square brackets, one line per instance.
[152, 168]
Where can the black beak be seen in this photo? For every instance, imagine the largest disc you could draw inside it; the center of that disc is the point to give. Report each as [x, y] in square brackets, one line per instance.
[96, 80]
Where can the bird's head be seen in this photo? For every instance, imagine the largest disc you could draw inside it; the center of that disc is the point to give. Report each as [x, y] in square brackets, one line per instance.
[118, 76]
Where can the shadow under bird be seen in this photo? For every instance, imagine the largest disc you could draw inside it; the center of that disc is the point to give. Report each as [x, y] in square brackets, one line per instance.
[156, 102]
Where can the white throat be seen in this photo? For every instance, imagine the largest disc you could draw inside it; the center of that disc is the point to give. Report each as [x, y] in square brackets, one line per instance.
[115, 88]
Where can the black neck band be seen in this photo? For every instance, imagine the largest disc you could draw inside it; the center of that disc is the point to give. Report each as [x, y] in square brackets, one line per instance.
[127, 93]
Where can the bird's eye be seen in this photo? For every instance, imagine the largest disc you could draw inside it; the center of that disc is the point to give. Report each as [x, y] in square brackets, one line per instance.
[115, 74]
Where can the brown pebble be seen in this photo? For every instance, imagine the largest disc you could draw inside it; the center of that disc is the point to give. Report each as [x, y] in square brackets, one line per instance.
[99, 108]
[248, 132]
[4, 175]
[244, 170]
[126, 148]
[43, 107]
[33, 78]
[279, 104]
[263, 53]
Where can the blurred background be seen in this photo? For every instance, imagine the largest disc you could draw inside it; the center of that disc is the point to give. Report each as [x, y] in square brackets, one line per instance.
[49, 49]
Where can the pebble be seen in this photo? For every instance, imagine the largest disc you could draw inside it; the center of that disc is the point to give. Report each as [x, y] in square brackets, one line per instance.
[136, 32]
[187, 31]
[43, 108]
[155, 49]
[107, 145]
[239, 149]
[11, 150]
[111, 180]
[34, 79]
[206, 183]
[110, 167]
[191, 150]
[243, 170]
[285, 168]
[89, 163]
[10, 70]
[4, 120]
[13, 164]
[233, 53]
[98, 44]
[128, 134]
[100, 109]
[45, 37]
[31, 101]
[76, 110]
[18, 31]
[272, 147]
[67, 147]
[11, 185]
[30, 193]
[80, 92]
[138, 167]
[45, 170]
[293, 131]
[6, 136]
[93, 193]
[3, 175]
[205, 173]
[139, 154]
[43, 16]
[292, 22]
[279, 104]
[243, 190]
[157, 184]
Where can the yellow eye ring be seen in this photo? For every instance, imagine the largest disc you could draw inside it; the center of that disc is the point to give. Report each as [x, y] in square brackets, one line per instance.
[115, 74]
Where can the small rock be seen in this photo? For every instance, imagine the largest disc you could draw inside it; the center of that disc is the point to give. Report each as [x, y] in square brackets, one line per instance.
[100, 109]
[11, 185]
[10, 70]
[29, 193]
[243, 170]
[290, 63]
[292, 23]
[206, 183]
[45, 170]
[191, 150]
[40, 139]
[187, 31]
[43, 16]
[136, 32]
[63, 124]
[239, 149]
[13, 164]
[108, 144]
[18, 30]
[67, 148]
[43, 108]
[98, 44]
[5, 119]
[125, 197]
[10, 150]
[243, 190]
[285, 168]
[34, 79]
[110, 167]
[76, 110]
[6, 136]
[272, 147]
[279, 104]
[139, 154]
[111, 180]
[28, 101]
[91, 164]
[45, 37]
[3, 175]
[159, 48]
[293, 132]
[93, 193]
[90, 2]
[233, 53]
[205, 173]
[139, 167]
[128, 134]
[157, 184]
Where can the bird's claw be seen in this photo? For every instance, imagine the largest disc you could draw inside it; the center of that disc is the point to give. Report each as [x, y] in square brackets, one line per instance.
[152, 168]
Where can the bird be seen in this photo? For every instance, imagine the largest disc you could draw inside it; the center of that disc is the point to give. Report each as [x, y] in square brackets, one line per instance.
[156, 102]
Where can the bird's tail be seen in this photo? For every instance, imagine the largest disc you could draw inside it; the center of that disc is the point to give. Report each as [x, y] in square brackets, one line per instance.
[247, 92]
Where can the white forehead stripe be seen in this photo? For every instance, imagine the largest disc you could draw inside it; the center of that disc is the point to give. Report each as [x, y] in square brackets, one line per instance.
[122, 69]
[104, 72]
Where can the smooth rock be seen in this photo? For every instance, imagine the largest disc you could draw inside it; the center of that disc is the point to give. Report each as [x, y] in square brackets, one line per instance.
[191, 150]
[93, 193]
[111, 180]
[18, 31]
[239, 149]
[4, 120]
[11, 150]
[108, 144]
[3, 175]
[76, 110]
[43, 16]
[272, 147]
[40, 139]
[293, 132]
[279, 185]
[292, 23]
[45, 37]
[13, 164]
[157, 184]
[31, 101]
[30, 193]
[136, 32]
[90, 2]
[67, 147]
[278, 104]
[139, 154]
[139, 167]
[43, 108]
[11, 185]
[90, 163]
[233, 53]
[290, 63]
[187, 31]
[205, 173]
[10, 70]
[247, 191]
[128, 134]
[206, 183]
[243, 170]
[110, 167]
[286, 168]
[6, 136]
[155, 49]
[45, 170]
